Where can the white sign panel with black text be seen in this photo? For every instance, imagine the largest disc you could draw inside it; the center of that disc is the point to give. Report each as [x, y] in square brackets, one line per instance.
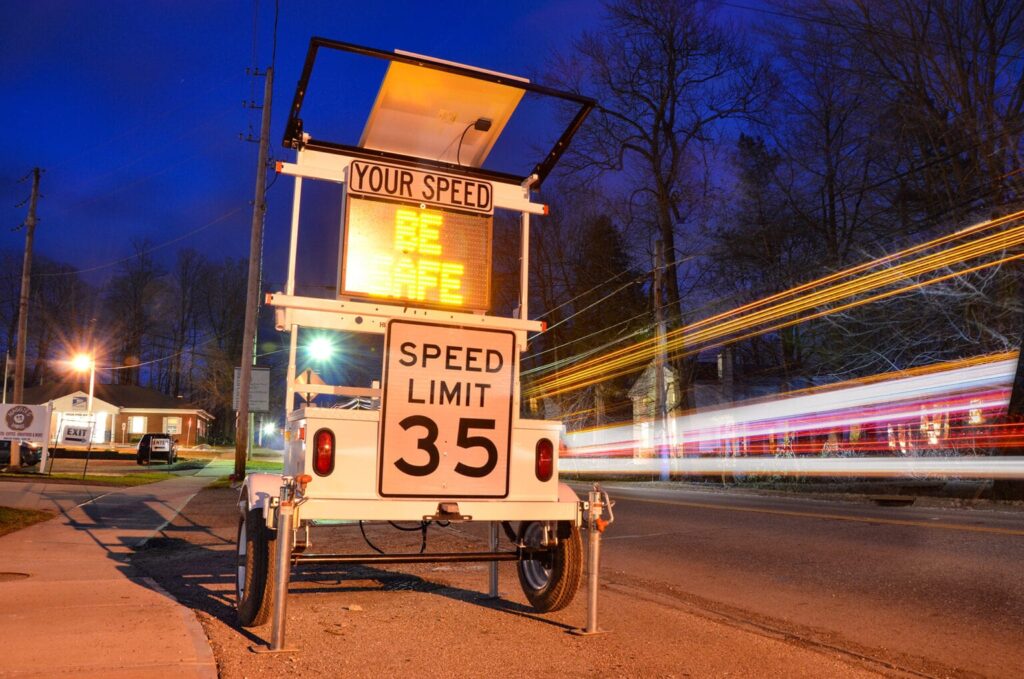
[259, 390]
[24, 423]
[446, 420]
[418, 186]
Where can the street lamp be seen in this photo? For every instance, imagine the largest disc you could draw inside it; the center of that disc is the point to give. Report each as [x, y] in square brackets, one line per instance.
[81, 363]
[320, 349]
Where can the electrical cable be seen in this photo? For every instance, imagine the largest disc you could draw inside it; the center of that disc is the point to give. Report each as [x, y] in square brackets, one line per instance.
[273, 51]
[458, 150]
[422, 528]
[372, 546]
[158, 246]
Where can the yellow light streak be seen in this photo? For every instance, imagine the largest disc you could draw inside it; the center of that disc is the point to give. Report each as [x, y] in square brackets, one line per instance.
[623, 367]
[791, 302]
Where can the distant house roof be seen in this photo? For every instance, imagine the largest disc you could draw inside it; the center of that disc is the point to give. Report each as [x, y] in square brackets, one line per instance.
[121, 395]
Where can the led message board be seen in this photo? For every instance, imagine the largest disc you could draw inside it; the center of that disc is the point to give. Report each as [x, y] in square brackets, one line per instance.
[417, 254]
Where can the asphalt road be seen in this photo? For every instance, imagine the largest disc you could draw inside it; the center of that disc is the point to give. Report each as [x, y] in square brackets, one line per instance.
[935, 591]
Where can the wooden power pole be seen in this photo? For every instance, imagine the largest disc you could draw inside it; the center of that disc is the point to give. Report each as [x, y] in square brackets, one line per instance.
[26, 286]
[252, 301]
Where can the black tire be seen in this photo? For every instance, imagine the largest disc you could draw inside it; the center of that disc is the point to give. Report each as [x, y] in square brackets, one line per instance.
[551, 580]
[256, 569]
[138, 460]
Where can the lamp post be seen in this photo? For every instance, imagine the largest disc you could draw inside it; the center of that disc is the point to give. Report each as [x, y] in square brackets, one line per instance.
[81, 363]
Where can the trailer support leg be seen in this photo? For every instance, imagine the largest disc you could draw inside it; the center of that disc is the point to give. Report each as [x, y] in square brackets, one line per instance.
[492, 570]
[285, 529]
[597, 502]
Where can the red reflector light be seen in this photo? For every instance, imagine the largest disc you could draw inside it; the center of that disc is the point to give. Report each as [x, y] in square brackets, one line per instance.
[323, 452]
[545, 463]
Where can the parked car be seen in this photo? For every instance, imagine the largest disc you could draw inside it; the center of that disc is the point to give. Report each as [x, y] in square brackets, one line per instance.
[156, 445]
[29, 456]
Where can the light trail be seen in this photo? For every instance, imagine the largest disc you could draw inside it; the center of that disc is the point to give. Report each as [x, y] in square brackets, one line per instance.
[870, 467]
[678, 345]
[578, 415]
[721, 327]
[897, 424]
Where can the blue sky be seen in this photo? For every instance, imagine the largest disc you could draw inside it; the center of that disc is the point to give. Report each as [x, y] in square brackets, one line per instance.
[133, 109]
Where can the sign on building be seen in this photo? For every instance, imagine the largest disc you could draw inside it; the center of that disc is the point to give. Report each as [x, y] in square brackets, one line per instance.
[446, 419]
[259, 390]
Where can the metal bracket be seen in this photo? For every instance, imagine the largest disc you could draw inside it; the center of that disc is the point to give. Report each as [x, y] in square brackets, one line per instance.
[448, 511]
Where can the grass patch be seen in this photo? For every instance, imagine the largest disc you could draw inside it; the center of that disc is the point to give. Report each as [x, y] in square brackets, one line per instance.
[250, 467]
[222, 482]
[184, 464]
[15, 519]
[263, 466]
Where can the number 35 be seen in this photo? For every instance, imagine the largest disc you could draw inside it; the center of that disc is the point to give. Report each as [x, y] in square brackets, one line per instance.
[428, 445]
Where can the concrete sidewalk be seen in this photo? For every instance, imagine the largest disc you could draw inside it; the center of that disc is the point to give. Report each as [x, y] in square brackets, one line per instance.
[83, 610]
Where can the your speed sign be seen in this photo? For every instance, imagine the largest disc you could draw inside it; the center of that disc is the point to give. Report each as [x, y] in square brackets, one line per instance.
[446, 420]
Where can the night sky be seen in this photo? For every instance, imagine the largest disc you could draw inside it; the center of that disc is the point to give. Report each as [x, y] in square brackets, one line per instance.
[134, 109]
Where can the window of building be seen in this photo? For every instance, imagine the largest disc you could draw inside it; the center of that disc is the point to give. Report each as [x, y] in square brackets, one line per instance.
[137, 424]
[172, 425]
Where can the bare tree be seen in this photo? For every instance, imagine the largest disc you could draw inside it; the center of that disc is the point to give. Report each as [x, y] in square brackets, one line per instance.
[130, 302]
[948, 75]
[183, 314]
[666, 76]
[222, 312]
[62, 306]
[828, 121]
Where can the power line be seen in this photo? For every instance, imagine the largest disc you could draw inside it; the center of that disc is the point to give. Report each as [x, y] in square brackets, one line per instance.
[142, 252]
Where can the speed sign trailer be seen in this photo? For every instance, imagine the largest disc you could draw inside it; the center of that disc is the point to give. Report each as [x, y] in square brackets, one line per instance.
[442, 439]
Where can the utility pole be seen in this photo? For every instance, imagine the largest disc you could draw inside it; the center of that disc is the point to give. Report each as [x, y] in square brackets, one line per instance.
[252, 302]
[26, 285]
[660, 361]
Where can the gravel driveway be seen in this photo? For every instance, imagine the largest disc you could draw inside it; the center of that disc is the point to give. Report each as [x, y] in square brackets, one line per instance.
[427, 619]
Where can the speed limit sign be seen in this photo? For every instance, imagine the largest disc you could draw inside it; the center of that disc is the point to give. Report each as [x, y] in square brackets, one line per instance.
[446, 420]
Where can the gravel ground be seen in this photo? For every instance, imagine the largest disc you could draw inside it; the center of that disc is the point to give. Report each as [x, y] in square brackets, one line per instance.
[428, 620]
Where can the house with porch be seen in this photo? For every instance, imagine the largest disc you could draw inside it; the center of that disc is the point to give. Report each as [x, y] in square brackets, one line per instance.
[120, 413]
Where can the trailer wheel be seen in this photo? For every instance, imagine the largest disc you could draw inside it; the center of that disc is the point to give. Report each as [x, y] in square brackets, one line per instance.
[550, 581]
[256, 569]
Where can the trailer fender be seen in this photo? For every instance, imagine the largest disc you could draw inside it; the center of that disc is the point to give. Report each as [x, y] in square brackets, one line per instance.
[566, 493]
[257, 490]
